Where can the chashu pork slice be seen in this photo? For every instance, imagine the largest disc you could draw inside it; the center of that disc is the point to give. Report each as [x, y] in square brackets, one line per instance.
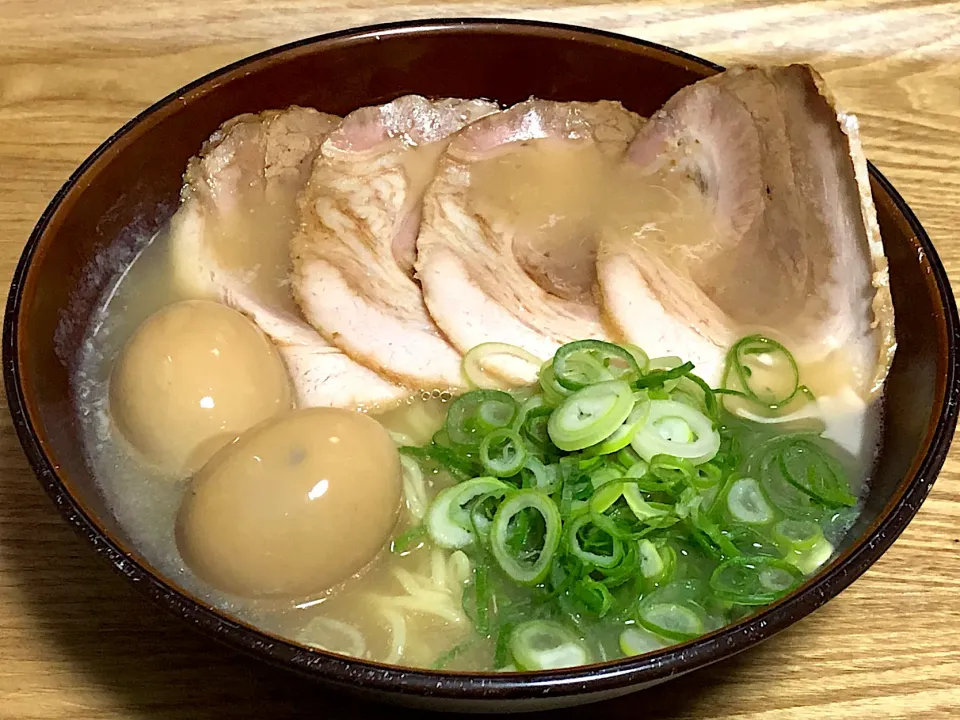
[777, 234]
[230, 242]
[506, 246]
[360, 212]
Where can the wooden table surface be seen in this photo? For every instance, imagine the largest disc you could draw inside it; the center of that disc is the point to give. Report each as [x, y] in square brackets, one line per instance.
[78, 642]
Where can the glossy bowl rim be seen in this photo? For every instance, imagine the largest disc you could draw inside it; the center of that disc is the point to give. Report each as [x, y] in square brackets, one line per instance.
[589, 679]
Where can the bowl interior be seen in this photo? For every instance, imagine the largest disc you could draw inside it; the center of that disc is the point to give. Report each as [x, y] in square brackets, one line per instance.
[127, 190]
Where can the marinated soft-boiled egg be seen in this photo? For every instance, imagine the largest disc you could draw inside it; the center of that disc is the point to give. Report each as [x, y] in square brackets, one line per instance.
[192, 377]
[297, 505]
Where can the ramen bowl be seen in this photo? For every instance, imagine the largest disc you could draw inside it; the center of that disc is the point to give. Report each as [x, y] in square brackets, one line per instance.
[129, 187]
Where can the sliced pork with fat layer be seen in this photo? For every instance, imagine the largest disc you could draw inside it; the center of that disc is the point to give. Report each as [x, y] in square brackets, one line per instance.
[230, 242]
[506, 247]
[790, 243]
[353, 258]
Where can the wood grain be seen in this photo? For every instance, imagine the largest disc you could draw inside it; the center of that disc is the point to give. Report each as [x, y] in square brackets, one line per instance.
[77, 642]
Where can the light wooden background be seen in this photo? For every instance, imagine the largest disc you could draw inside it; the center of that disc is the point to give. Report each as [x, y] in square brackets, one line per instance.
[77, 642]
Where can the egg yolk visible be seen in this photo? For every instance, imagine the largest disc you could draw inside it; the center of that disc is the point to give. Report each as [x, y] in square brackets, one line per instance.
[192, 377]
[294, 507]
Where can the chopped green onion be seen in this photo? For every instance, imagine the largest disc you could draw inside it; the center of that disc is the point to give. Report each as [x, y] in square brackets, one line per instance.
[797, 535]
[458, 466]
[641, 507]
[533, 402]
[515, 362]
[588, 362]
[688, 505]
[617, 488]
[809, 561]
[546, 645]
[503, 453]
[448, 519]
[664, 362]
[669, 470]
[811, 470]
[628, 457]
[748, 541]
[638, 641]
[756, 580]
[762, 371]
[590, 415]
[664, 373]
[658, 437]
[452, 654]
[502, 659]
[597, 548]
[672, 620]
[593, 596]
[675, 430]
[639, 355]
[623, 435]
[605, 496]
[604, 474]
[747, 504]
[525, 570]
[542, 477]
[651, 563]
[706, 476]
[476, 600]
[475, 414]
[534, 427]
[407, 540]
[553, 392]
[640, 468]
[709, 536]
[800, 461]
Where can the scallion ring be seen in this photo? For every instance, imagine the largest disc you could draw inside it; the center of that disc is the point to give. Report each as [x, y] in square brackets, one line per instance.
[672, 620]
[590, 415]
[643, 360]
[522, 570]
[746, 502]
[638, 641]
[546, 645]
[485, 364]
[587, 362]
[698, 442]
[762, 371]
[503, 453]
[651, 562]
[664, 372]
[475, 414]
[623, 435]
[756, 580]
[535, 474]
[797, 535]
[641, 507]
[595, 538]
[448, 517]
[553, 392]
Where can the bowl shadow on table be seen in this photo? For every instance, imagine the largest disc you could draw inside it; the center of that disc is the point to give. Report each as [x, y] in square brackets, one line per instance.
[118, 643]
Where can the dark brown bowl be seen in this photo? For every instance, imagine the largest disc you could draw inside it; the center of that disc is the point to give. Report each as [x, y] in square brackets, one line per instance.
[129, 187]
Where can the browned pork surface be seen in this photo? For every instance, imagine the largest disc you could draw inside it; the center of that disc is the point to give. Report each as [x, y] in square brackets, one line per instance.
[790, 242]
[353, 258]
[230, 242]
[506, 250]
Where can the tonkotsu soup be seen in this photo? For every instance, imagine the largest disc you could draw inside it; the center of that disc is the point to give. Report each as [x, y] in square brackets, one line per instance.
[496, 411]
